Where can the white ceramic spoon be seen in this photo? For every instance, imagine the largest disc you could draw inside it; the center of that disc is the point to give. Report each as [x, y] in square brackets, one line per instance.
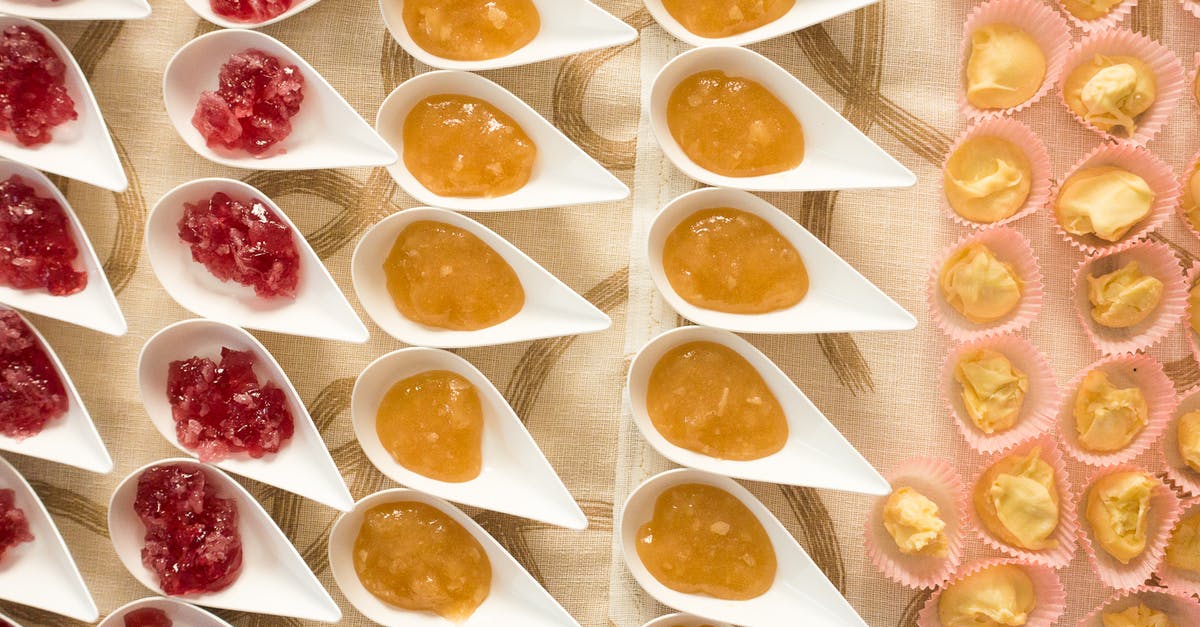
[515, 597]
[204, 9]
[683, 620]
[839, 299]
[563, 174]
[80, 10]
[95, 306]
[567, 27]
[70, 439]
[274, 578]
[10, 621]
[41, 573]
[815, 454]
[803, 14]
[302, 465]
[515, 479]
[800, 588]
[551, 308]
[80, 149]
[326, 133]
[181, 614]
[836, 154]
[319, 309]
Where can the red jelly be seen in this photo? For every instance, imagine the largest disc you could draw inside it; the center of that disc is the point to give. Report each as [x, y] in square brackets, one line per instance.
[251, 110]
[247, 243]
[222, 409]
[14, 529]
[31, 393]
[147, 617]
[33, 89]
[250, 11]
[36, 247]
[192, 540]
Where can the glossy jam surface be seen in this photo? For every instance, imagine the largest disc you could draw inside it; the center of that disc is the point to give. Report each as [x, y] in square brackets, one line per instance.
[14, 528]
[192, 539]
[147, 617]
[37, 250]
[442, 276]
[462, 146]
[222, 409]
[33, 87]
[704, 540]
[414, 556]
[31, 392]
[705, 397]
[242, 241]
[734, 126]
[251, 110]
[471, 30]
[723, 18]
[250, 11]
[733, 261]
[432, 424]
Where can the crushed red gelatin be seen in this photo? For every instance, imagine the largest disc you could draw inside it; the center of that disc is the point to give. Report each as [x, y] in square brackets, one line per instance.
[250, 11]
[222, 409]
[33, 89]
[36, 247]
[245, 242]
[251, 110]
[31, 392]
[14, 529]
[147, 617]
[192, 540]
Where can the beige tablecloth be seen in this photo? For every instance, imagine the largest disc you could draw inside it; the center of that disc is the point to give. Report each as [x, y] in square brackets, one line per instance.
[889, 68]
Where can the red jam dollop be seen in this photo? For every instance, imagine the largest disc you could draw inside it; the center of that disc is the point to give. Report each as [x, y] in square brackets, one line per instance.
[147, 617]
[31, 392]
[192, 540]
[221, 409]
[33, 88]
[256, 97]
[250, 11]
[36, 247]
[245, 242]
[14, 529]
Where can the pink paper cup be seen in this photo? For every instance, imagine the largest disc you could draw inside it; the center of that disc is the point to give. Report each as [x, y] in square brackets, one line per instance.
[1042, 23]
[1010, 247]
[1035, 150]
[1123, 371]
[1164, 512]
[1191, 6]
[1110, 20]
[1038, 411]
[1177, 579]
[1180, 608]
[939, 483]
[1181, 203]
[1050, 597]
[1167, 68]
[1153, 258]
[1157, 174]
[1178, 472]
[1065, 534]
[1193, 277]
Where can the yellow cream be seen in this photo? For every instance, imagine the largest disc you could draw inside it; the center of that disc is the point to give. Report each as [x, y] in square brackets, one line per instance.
[1018, 501]
[1117, 509]
[1139, 615]
[1106, 201]
[1107, 418]
[1191, 197]
[979, 285]
[1111, 92]
[987, 179]
[1006, 67]
[1183, 549]
[1089, 9]
[1188, 438]
[915, 523]
[992, 389]
[1123, 298]
[999, 595]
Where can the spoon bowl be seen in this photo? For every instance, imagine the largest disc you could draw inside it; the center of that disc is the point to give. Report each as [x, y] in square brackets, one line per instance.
[77, 10]
[684, 620]
[803, 14]
[180, 613]
[204, 9]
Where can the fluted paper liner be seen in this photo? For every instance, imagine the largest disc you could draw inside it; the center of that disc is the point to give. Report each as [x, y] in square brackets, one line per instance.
[1177, 471]
[1040, 22]
[937, 481]
[1183, 181]
[1123, 371]
[1024, 138]
[1164, 511]
[1038, 410]
[1050, 598]
[1168, 71]
[1158, 176]
[1109, 20]
[1191, 6]
[1010, 247]
[1193, 276]
[1179, 608]
[1178, 580]
[1068, 523]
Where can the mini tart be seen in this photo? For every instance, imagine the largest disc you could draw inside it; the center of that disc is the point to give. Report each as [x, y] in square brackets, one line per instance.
[1049, 598]
[1191, 320]
[1189, 194]
[1180, 446]
[1174, 605]
[993, 389]
[1017, 267]
[1180, 567]
[983, 211]
[1089, 9]
[1128, 515]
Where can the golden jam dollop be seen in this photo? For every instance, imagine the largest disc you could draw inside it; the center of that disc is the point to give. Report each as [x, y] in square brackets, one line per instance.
[723, 18]
[471, 30]
[432, 424]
